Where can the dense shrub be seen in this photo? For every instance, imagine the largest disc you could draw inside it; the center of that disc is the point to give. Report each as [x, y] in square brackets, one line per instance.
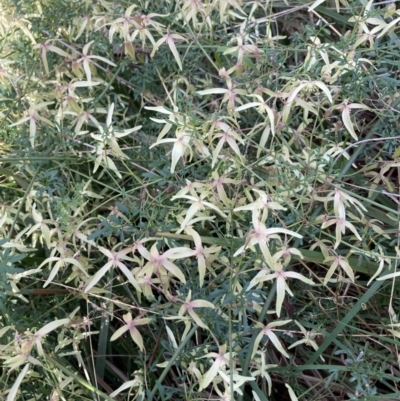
[199, 200]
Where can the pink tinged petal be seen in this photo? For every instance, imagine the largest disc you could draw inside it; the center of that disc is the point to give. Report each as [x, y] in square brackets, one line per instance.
[58, 51]
[46, 234]
[274, 339]
[39, 346]
[98, 276]
[346, 267]
[211, 206]
[174, 51]
[86, 48]
[88, 72]
[280, 293]
[352, 228]
[111, 166]
[213, 91]
[328, 223]
[339, 208]
[297, 343]
[173, 269]
[157, 45]
[14, 389]
[97, 163]
[154, 252]
[295, 92]
[347, 122]
[200, 303]
[45, 120]
[278, 230]
[178, 253]
[178, 151]
[257, 342]
[141, 321]
[44, 59]
[53, 273]
[81, 29]
[279, 323]
[150, 36]
[104, 60]
[267, 254]
[239, 251]
[196, 318]
[222, 195]
[147, 270]
[295, 251]
[46, 329]
[48, 260]
[210, 374]
[106, 252]
[127, 317]
[201, 263]
[144, 252]
[377, 273]
[193, 209]
[299, 276]
[119, 332]
[136, 337]
[266, 277]
[182, 310]
[248, 105]
[338, 233]
[234, 146]
[216, 152]
[387, 276]
[325, 89]
[330, 272]
[271, 119]
[291, 393]
[388, 26]
[32, 131]
[288, 290]
[23, 120]
[110, 115]
[129, 276]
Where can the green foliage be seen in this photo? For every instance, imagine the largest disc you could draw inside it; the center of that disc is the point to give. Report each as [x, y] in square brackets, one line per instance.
[199, 200]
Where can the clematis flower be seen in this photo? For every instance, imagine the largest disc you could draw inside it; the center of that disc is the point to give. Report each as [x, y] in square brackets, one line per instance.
[131, 326]
[268, 331]
[115, 260]
[281, 287]
[188, 306]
